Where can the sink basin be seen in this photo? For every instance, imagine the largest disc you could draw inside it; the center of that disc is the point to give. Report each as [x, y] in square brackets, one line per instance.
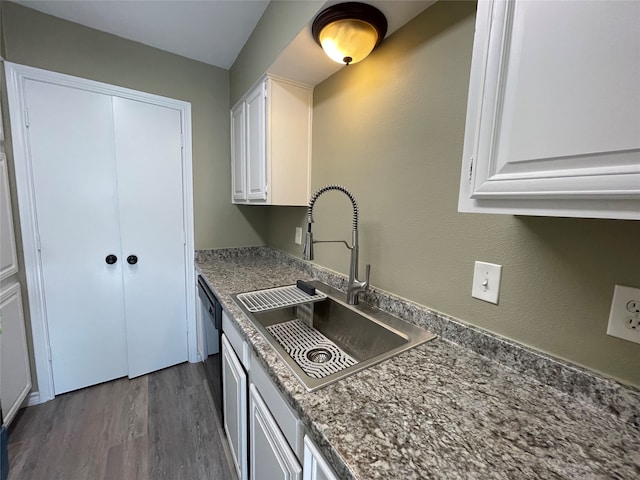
[328, 340]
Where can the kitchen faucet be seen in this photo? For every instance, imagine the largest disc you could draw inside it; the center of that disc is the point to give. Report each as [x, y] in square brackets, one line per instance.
[355, 286]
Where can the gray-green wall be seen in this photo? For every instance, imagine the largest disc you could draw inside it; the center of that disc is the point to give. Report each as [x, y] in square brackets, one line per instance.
[280, 23]
[43, 41]
[391, 130]
[31, 38]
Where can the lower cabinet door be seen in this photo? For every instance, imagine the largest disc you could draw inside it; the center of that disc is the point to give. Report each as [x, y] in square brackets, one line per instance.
[271, 458]
[15, 376]
[234, 407]
[315, 466]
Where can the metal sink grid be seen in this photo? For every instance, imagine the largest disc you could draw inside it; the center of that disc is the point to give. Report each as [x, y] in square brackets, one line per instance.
[316, 355]
[279, 297]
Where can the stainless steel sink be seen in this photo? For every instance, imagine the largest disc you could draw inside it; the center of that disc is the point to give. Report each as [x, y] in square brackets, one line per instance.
[351, 337]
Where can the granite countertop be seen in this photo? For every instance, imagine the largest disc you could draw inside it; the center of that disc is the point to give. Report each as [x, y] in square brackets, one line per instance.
[441, 410]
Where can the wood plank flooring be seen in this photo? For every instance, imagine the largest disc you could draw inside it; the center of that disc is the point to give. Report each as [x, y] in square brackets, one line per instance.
[160, 426]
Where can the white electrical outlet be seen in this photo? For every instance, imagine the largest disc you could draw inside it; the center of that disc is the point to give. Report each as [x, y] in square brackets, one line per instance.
[298, 239]
[486, 281]
[624, 318]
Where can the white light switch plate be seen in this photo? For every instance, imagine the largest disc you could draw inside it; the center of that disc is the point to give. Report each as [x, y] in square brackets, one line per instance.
[624, 317]
[298, 238]
[486, 282]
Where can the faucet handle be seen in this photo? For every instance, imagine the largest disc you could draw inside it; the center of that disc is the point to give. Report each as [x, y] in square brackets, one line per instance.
[367, 274]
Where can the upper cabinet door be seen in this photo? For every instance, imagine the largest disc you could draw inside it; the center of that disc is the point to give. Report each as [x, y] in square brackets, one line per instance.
[256, 147]
[238, 154]
[553, 116]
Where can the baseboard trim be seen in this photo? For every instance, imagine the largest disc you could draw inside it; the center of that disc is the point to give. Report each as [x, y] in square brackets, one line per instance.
[33, 399]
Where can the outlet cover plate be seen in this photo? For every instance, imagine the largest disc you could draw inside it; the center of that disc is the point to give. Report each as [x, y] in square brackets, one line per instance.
[486, 282]
[624, 317]
[298, 238]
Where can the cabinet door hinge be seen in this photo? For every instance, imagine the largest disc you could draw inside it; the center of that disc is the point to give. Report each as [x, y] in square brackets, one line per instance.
[470, 168]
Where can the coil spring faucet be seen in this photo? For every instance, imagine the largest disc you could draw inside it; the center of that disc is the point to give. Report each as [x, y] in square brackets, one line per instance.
[355, 286]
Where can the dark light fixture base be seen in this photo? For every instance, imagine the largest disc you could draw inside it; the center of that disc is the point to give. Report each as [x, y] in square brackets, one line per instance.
[350, 10]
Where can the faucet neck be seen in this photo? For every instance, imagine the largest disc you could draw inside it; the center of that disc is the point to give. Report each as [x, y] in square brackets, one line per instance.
[328, 188]
[353, 263]
[355, 286]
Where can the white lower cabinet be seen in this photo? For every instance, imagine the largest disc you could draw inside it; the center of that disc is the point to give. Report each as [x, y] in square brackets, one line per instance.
[271, 456]
[315, 466]
[265, 435]
[14, 359]
[234, 406]
[8, 257]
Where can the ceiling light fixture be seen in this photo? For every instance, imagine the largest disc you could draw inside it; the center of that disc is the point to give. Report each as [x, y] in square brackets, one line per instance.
[348, 32]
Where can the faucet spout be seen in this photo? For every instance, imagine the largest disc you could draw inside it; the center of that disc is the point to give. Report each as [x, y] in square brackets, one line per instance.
[355, 286]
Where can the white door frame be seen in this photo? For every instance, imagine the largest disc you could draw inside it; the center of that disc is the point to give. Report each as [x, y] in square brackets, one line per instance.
[16, 76]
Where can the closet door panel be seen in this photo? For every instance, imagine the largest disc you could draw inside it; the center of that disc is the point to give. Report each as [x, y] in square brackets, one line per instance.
[74, 184]
[149, 156]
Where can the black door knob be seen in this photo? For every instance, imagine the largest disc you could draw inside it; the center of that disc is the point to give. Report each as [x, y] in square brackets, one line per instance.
[111, 259]
[132, 259]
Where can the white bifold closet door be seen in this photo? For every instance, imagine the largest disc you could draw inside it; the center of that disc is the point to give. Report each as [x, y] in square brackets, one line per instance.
[107, 180]
[148, 153]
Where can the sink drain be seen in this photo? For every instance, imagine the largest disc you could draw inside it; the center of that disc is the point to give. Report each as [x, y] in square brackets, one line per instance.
[314, 353]
[319, 355]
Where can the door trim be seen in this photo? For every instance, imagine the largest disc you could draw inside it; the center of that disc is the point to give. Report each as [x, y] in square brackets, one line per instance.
[16, 75]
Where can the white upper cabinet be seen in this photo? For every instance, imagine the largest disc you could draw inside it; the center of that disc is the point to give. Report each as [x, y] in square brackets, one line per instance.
[553, 115]
[271, 144]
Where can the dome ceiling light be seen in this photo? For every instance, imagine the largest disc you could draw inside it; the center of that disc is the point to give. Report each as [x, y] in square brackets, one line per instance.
[348, 32]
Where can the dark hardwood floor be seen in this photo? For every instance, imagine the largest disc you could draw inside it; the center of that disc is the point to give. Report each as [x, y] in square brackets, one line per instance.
[161, 426]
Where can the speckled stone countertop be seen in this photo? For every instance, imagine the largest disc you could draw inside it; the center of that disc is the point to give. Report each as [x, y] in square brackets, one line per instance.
[443, 410]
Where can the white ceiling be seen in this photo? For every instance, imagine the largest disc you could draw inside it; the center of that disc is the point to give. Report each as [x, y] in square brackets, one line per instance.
[211, 31]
